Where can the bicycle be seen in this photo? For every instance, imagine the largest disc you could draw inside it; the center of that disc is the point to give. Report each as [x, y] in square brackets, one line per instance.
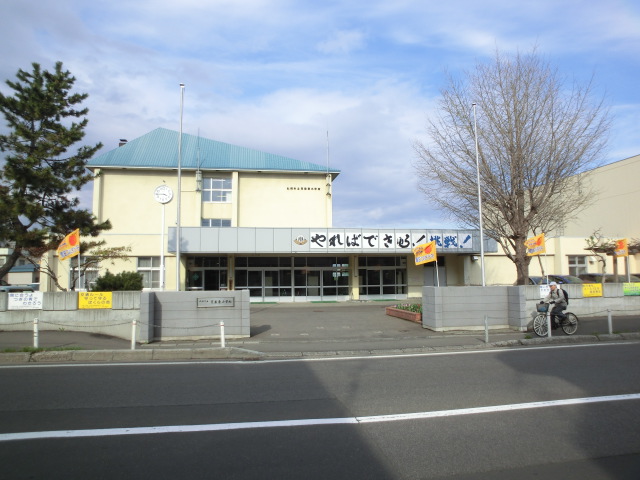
[569, 323]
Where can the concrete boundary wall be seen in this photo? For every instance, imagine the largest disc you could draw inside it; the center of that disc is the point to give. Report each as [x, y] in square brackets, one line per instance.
[176, 315]
[159, 315]
[60, 312]
[514, 307]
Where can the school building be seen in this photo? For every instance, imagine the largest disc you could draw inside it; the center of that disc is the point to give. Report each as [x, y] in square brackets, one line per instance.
[199, 214]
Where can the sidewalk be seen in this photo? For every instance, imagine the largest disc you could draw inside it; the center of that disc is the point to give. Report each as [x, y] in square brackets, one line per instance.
[303, 330]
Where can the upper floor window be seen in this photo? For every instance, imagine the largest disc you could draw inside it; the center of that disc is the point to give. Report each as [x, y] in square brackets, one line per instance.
[216, 222]
[216, 189]
[577, 264]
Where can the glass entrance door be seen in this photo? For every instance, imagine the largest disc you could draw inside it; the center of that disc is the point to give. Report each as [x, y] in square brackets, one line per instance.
[286, 279]
[384, 277]
[215, 279]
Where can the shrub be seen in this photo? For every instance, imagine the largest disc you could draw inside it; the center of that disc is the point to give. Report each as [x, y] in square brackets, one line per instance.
[123, 281]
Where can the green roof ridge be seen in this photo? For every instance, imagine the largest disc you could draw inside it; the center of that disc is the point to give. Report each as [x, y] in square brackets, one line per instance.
[159, 149]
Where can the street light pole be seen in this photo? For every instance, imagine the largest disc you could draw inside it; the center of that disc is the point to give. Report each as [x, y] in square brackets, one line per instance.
[475, 132]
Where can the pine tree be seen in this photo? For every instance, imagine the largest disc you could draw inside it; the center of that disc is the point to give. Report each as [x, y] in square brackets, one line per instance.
[41, 168]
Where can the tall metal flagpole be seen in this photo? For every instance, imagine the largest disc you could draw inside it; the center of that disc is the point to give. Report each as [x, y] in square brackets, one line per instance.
[178, 233]
[475, 132]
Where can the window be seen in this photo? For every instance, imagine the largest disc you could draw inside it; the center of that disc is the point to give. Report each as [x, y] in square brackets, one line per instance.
[149, 267]
[216, 222]
[577, 264]
[89, 274]
[382, 275]
[216, 190]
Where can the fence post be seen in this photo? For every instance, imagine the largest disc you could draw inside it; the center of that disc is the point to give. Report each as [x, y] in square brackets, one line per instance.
[222, 343]
[133, 334]
[486, 329]
[549, 322]
[609, 321]
[35, 332]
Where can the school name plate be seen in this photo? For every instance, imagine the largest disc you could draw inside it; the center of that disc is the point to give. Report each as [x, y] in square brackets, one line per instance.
[216, 302]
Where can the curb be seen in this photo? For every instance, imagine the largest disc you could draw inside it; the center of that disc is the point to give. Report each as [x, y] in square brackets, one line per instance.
[87, 356]
[234, 353]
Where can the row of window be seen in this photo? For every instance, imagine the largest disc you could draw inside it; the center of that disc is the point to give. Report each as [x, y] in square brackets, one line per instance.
[373, 271]
[215, 222]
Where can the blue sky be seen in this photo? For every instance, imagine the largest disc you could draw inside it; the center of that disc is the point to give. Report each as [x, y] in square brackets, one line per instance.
[276, 75]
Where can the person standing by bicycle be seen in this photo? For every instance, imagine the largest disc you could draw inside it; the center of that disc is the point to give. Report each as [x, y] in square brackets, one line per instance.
[556, 298]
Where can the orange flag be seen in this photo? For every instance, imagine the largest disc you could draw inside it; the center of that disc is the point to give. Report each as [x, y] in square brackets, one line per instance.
[425, 253]
[70, 246]
[535, 245]
[622, 248]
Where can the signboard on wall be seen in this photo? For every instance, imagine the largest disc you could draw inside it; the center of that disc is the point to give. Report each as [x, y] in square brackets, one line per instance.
[544, 290]
[591, 289]
[631, 288]
[94, 300]
[25, 301]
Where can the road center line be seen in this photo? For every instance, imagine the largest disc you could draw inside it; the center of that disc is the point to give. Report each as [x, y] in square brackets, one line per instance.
[106, 432]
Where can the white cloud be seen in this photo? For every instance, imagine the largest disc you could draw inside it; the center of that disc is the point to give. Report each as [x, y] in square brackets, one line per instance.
[275, 74]
[342, 42]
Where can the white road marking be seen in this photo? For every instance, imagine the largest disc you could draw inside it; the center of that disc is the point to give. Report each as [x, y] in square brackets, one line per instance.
[106, 432]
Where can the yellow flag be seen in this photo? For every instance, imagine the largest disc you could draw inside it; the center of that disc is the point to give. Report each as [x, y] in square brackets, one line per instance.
[70, 246]
[535, 245]
[622, 248]
[425, 253]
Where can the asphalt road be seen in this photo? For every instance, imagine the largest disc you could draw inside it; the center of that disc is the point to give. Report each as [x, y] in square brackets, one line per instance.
[554, 412]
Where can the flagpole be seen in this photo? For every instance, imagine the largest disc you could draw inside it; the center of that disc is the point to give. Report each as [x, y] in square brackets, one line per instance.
[628, 272]
[79, 262]
[546, 260]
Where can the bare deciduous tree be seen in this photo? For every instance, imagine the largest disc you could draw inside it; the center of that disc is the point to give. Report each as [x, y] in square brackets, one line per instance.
[601, 247]
[536, 134]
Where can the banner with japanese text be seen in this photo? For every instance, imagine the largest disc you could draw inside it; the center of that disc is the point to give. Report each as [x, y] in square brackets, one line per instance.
[591, 290]
[631, 289]
[94, 300]
[622, 248]
[535, 245]
[70, 246]
[425, 253]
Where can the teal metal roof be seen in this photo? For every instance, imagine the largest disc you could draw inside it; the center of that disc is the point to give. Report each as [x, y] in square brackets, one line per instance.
[158, 149]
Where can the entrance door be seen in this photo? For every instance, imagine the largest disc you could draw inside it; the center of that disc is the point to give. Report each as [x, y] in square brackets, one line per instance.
[382, 277]
[206, 279]
[277, 285]
[215, 279]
